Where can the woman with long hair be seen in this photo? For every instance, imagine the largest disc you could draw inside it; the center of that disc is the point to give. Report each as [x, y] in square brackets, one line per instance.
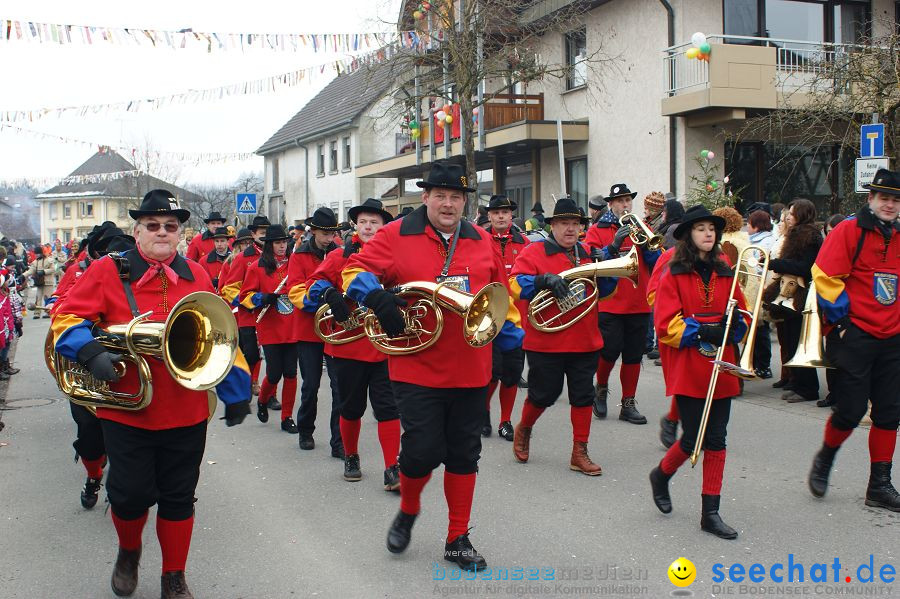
[690, 313]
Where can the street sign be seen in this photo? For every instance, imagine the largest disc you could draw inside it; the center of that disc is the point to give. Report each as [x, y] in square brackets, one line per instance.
[871, 142]
[866, 169]
[245, 202]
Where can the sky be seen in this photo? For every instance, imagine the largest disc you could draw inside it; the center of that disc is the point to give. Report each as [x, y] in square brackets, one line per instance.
[47, 75]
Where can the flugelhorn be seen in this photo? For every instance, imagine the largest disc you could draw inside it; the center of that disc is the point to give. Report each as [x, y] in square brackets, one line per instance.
[197, 343]
[549, 314]
[640, 233]
[482, 314]
[811, 348]
[338, 333]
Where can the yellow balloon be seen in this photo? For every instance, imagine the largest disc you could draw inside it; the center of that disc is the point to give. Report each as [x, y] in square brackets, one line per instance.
[692, 53]
[682, 572]
[448, 119]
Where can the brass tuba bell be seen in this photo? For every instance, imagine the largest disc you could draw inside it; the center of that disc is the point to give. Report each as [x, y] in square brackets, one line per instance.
[330, 331]
[811, 347]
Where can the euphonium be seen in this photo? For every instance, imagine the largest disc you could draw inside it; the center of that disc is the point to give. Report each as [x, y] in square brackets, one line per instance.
[549, 314]
[811, 348]
[197, 343]
[482, 315]
[641, 234]
[339, 333]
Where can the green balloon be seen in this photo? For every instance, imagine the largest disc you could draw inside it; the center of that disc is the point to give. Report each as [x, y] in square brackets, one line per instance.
[414, 124]
[704, 153]
[705, 48]
[714, 184]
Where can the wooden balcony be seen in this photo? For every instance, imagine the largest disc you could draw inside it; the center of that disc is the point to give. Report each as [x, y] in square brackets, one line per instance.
[504, 109]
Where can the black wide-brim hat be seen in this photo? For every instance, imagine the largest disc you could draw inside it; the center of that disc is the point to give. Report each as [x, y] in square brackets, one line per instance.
[244, 234]
[221, 233]
[597, 203]
[119, 243]
[275, 233]
[372, 206]
[499, 202]
[159, 202]
[323, 218]
[446, 175]
[259, 222]
[566, 208]
[885, 181]
[104, 242]
[619, 190]
[696, 214]
[214, 216]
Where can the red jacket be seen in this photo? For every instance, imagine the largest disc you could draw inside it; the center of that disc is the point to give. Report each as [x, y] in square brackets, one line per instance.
[212, 264]
[678, 312]
[410, 250]
[864, 288]
[547, 257]
[304, 262]
[231, 283]
[201, 245]
[280, 323]
[628, 299]
[661, 266]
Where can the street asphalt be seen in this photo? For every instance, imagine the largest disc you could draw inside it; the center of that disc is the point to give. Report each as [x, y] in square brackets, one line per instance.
[274, 521]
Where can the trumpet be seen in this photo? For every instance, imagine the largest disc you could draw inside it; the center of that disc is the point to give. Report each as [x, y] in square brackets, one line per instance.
[339, 333]
[550, 315]
[641, 234]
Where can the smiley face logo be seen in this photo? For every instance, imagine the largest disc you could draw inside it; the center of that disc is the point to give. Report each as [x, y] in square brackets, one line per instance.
[682, 572]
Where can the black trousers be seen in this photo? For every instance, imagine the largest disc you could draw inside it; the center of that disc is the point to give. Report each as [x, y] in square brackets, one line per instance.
[89, 436]
[147, 467]
[248, 344]
[623, 334]
[691, 410]
[440, 426]
[804, 381]
[507, 366]
[281, 361]
[356, 380]
[311, 355]
[545, 377]
[868, 369]
[762, 346]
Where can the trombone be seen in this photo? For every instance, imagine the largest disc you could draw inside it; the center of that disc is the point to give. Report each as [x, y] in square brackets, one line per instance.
[641, 234]
[746, 268]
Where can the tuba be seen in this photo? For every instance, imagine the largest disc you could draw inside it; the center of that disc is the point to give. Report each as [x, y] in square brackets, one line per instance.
[482, 314]
[197, 343]
[641, 234]
[339, 333]
[550, 315]
[811, 348]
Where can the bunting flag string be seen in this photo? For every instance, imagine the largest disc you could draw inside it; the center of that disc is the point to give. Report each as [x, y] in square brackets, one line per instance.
[13, 31]
[100, 177]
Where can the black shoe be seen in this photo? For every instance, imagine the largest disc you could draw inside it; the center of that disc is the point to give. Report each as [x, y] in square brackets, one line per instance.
[711, 522]
[400, 532]
[288, 426]
[780, 383]
[392, 478]
[763, 373]
[338, 452]
[352, 473]
[522, 384]
[8, 368]
[668, 431]
[90, 492]
[629, 412]
[273, 404]
[827, 402]
[506, 430]
[821, 468]
[881, 493]
[601, 392]
[486, 425]
[125, 572]
[462, 552]
[262, 412]
[659, 484]
[174, 586]
[653, 354]
[306, 442]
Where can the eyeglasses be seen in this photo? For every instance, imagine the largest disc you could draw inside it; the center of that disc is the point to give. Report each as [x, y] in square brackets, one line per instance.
[153, 227]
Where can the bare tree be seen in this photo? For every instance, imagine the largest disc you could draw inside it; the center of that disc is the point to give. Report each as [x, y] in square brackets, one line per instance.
[220, 198]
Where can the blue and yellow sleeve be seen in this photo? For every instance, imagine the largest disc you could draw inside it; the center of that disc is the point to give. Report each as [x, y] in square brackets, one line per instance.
[74, 338]
[359, 283]
[522, 287]
[230, 292]
[833, 299]
[511, 334]
[312, 299]
[252, 300]
[650, 258]
[235, 387]
[681, 332]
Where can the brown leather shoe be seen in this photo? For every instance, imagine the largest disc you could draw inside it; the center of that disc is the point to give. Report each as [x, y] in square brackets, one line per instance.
[174, 586]
[521, 442]
[581, 461]
[125, 573]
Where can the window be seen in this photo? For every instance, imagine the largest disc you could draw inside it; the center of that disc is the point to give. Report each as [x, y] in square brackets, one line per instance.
[67, 210]
[66, 236]
[333, 156]
[87, 209]
[577, 181]
[123, 209]
[576, 53]
[741, 18]
[275, 174]
[839, 21]
[320, 165]
[336, 208]
[346, 153]
[52, 210]
[851, 22]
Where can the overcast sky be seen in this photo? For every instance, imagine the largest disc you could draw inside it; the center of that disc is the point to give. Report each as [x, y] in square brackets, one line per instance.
[46, 75]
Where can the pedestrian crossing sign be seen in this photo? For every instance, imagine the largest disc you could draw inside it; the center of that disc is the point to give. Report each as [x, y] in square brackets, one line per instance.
[246, 203]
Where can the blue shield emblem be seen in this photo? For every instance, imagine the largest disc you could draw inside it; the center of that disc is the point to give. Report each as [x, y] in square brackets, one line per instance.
[885, 288]
[284, 304]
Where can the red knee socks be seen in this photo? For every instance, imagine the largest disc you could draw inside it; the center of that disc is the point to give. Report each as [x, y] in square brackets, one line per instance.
[603, 370]
[490, 393]
[530, 413]
[94, 468]
[673, 415]
[674, 458]
[507, 401]
[835, 437]
[350, 434]
[254, 373]
[881, 444]
[175, 541]
[288, 396]
[389, 437]
[411, 493]
[628, 375]
[581, 423]
[459, 490]
[713, 467]
[129, 531]
[266, 391]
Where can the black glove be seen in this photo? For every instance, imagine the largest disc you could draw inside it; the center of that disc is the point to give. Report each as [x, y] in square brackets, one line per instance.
[335, 300]
[712, 333]
[385, 305]
[619, 239]
[555, 284]
[102, 366]
[842, 325]
[597, 255]
[19, 329]
[269, 299]
[236, 412]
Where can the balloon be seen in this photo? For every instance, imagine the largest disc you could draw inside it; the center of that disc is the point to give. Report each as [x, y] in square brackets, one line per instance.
[441, 115]
[711, 155]
[714, 184]
[426, 6]
[704, 153]
[698, 39]
[447, 108]
[704, 48]
[415, 133]
[709, 187]
[692, 53]
[448, 119]
[417, 15]
[475, 110]
[414, 124]
[726, 180]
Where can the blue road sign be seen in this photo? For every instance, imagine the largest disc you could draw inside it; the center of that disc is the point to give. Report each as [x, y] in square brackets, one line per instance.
[246, 203]
[871, 144]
